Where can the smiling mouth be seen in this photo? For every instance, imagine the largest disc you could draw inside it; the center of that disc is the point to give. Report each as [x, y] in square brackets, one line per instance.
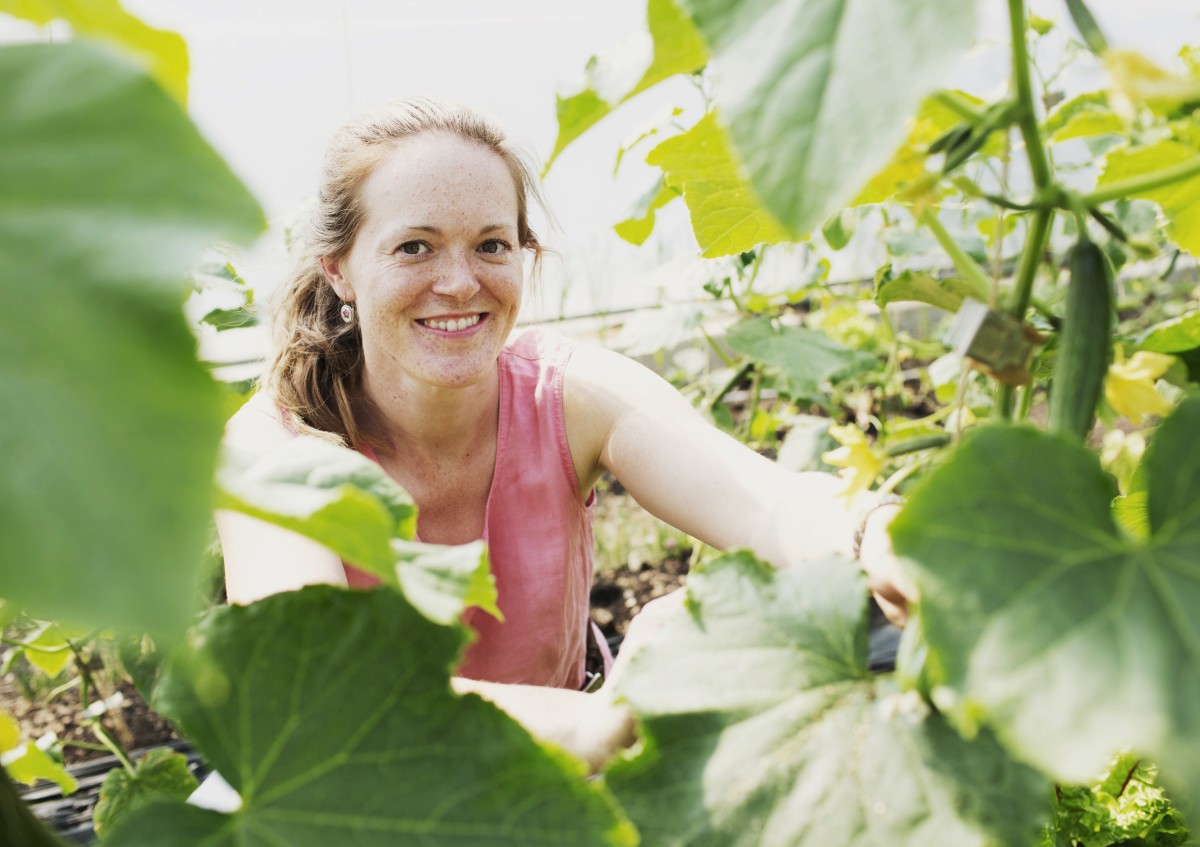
[452, 325]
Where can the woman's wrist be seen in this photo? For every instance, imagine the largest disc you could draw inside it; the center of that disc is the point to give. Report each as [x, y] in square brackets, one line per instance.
[881, 504]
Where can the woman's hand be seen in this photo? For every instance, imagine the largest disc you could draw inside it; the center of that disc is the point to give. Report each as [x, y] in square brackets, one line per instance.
[891, 588]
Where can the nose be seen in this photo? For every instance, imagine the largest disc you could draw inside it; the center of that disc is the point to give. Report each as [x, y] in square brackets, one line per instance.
[456, 279]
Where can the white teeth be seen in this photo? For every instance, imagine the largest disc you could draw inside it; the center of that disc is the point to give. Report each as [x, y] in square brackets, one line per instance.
[456, 325]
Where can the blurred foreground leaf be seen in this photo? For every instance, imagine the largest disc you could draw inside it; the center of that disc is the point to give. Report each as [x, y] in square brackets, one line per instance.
[330, 712]
[346, 502]
[764, 729]
[816, 92]
[164, 53]
[1073, 639]
[110, 425]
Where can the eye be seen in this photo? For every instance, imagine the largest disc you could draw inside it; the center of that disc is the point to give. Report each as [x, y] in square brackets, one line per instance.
[495, 247]
[413, 248]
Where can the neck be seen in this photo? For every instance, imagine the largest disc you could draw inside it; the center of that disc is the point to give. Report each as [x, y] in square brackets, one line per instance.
[428, 421]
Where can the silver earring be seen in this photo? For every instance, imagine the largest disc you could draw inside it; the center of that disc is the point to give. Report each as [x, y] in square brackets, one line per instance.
[347, 313]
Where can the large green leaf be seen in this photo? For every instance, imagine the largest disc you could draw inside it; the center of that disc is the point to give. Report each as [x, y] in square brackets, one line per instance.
[807, 357]
[727, 217]
[346, 502]
[331, 494]
[164, 53]
[110, 425]
[1180, 201]
[330, 712]
[1174, 335]
[441, 581]
[763, 728]
[816, 92]
[1072, 638]
[672, 47]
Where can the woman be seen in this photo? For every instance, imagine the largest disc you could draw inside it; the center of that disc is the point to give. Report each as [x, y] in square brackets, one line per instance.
[395, 337]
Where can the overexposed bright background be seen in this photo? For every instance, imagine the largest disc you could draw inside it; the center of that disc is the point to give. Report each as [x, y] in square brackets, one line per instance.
[271, 80]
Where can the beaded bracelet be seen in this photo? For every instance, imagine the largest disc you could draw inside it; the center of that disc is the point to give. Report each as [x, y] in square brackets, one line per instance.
[861, 529]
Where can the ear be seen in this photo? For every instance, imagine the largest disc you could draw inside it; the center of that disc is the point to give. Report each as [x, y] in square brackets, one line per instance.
[333, 275]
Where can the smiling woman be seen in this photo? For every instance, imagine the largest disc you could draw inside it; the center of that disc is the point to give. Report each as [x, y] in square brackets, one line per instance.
[395, 338]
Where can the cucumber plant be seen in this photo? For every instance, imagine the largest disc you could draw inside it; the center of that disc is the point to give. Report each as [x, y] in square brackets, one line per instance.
[1050, 634]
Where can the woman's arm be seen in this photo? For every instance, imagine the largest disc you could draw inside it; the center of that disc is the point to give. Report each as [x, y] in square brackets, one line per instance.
[261, 559]
[590, 726]
[624, 418]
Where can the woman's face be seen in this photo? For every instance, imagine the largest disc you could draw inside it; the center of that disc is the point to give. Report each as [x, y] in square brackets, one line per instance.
[435, 271]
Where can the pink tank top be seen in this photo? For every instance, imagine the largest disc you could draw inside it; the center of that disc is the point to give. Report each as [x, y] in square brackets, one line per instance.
[538, 530]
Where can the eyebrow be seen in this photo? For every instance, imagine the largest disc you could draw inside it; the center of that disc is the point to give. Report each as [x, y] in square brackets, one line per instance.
[433, 230]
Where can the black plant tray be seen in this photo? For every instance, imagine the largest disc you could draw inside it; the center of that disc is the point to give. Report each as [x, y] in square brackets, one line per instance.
[71, 817]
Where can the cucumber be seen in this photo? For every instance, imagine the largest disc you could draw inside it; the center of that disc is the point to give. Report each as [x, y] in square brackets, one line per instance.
[1085, 343]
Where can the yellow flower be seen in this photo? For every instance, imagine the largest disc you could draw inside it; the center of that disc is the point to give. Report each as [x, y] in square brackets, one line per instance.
[858, 464]
[1129, 386]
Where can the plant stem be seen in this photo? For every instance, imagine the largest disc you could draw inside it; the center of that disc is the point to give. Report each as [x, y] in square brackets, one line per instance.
[88, 683]
[113, 747]
[959, 105]
[1039, 165]
[1026, 402]
[965, 265]
[1166, 275]
[1031, 258]
[1142, 184]
[737, 377]
[721, 354]
[755, 393]
[1129, 776]
[85, 745]
[912, 445]
[18, 643]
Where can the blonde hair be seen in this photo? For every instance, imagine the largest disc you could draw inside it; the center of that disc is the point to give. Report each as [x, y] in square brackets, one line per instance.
[316, 362]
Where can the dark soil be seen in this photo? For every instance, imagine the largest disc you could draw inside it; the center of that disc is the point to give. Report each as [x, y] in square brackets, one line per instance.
[134, 725]
[620, 593]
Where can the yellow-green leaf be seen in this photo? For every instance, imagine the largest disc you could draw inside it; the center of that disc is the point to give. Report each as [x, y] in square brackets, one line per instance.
[637, 228]
[10, 732]
[28, 763]
[1131, 512]
[1180, 201]
[727, 215]
[908, 162]
[1081, 117]
[629, 68]
[164, 53]
[924, 287]
[48, 651]
[1138, 82]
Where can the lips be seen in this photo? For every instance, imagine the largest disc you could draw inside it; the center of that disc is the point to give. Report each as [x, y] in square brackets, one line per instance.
[451, 324]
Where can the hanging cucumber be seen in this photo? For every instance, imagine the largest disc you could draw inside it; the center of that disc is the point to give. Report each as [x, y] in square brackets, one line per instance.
[1085, 343]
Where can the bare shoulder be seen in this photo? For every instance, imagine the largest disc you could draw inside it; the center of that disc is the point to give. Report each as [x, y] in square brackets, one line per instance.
[257, 427]
[597, 375]
[604, 383]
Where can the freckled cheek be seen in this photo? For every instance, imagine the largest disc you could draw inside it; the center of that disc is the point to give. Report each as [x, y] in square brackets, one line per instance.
[507, 284]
